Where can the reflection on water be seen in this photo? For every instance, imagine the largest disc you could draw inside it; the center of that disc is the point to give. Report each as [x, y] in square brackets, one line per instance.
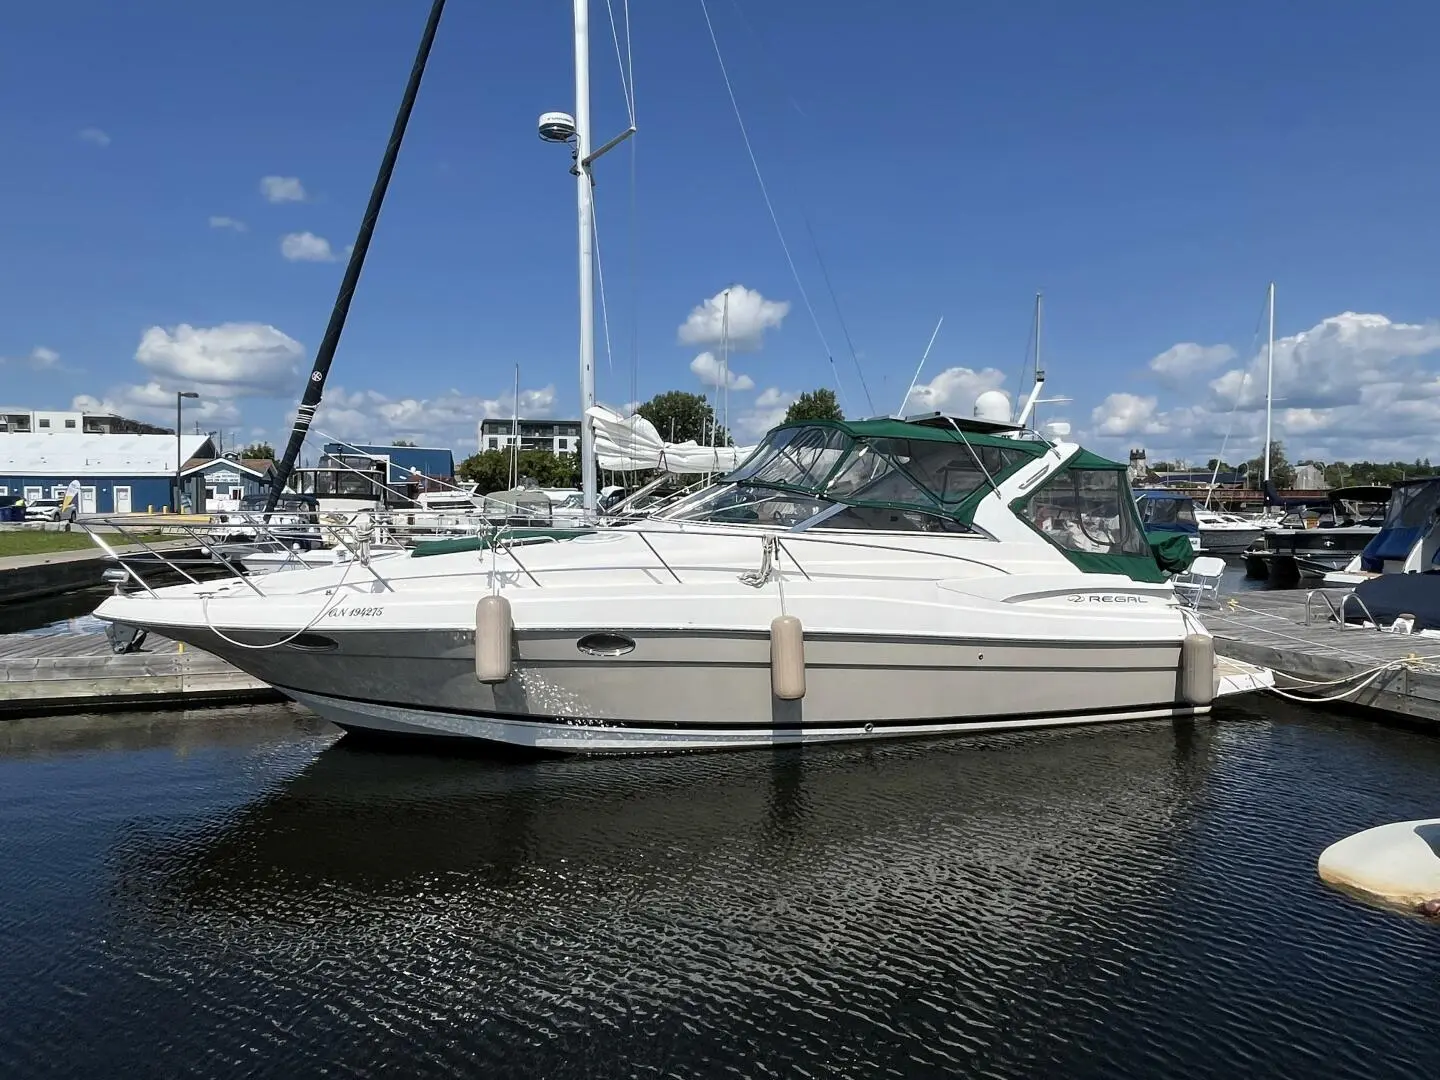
[236, 891]
[66, 614]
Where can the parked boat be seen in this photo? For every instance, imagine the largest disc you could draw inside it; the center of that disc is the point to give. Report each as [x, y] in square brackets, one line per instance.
[1166, 510]
[1352, 519]
[1408, 541]
[1229, 534]
[850, 581]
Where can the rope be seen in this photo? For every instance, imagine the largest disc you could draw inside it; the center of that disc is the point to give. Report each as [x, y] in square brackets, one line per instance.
[325, 609]
[770, 206]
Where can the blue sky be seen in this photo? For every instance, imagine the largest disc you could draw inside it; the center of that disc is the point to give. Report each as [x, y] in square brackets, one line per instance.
[1150, 167]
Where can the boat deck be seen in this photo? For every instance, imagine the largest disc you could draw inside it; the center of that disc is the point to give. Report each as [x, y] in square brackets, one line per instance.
[1398, 673]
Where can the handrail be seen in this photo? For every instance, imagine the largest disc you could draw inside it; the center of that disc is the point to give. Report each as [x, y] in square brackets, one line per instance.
[345, 536]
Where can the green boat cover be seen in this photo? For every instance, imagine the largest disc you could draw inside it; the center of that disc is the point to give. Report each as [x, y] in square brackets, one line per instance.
[482, 543]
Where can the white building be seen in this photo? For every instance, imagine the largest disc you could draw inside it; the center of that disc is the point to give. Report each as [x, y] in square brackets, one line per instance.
[556, 436]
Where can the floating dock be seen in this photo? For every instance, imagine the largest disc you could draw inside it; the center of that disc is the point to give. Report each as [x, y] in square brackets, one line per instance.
[1320, 661]
[79, 672]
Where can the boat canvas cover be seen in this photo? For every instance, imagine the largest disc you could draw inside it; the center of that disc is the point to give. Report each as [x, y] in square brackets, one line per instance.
[1414, 506]
[631, 443]
[1388, 596]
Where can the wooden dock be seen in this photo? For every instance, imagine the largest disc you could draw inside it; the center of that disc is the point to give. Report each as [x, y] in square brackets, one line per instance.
[80, 672]
[1267, 627]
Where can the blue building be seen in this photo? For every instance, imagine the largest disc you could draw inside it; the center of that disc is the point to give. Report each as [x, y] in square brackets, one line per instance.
[118, 473]
[223, 483]
[402, 463]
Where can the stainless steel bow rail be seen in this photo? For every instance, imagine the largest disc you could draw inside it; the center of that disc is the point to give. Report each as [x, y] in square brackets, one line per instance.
[369, 544]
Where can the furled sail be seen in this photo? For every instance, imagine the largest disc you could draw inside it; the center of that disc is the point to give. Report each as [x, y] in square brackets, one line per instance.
[629, 443]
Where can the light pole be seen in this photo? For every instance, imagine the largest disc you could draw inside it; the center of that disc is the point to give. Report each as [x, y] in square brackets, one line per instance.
[180, 396]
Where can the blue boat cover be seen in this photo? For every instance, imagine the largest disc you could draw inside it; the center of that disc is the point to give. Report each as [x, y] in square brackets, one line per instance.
[1412, 513]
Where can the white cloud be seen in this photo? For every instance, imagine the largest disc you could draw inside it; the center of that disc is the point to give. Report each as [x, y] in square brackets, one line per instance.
[155, 404]
[954, 390]
[1353, 386]
[446, 419]
[1127, 414]
[1188, 358]
[94, 136]
[769, 409]
[220, 221]
[773, 396]
[711, 371]
[38, 359]
[306, 247]
[1330, 363]
[742, 319]
[282, 189]
[232, 359]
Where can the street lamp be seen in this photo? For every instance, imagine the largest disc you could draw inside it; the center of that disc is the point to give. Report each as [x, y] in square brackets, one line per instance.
[180, 396]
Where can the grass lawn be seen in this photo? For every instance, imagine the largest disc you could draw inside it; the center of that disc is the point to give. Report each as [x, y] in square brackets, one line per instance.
[38, 542]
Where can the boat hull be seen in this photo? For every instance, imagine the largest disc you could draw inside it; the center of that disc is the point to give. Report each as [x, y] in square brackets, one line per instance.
[696, 690]
[1227, 541]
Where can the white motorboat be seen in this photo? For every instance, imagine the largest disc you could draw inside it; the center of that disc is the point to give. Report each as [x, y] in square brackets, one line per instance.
[850, 581]
[1228, 534]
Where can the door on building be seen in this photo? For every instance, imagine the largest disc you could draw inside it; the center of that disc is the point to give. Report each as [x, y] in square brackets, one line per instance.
[87, 500]
[33, 493]
[122, 500]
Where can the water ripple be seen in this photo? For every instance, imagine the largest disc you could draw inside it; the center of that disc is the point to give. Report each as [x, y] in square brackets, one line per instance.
[233, 893]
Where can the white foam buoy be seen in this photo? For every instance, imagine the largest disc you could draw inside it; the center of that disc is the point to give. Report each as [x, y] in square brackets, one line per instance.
[1197, 669]
[1396, 865]
[787, 658]
[493, 630]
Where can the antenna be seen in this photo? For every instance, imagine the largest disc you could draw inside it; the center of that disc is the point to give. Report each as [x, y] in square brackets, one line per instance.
[920, 367]
[1034, 398]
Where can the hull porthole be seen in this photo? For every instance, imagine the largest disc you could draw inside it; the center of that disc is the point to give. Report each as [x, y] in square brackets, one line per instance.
[605, 644]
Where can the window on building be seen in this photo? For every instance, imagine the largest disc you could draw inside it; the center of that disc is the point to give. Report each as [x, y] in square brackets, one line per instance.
[69, 423]
[44, 422]
[493, 443]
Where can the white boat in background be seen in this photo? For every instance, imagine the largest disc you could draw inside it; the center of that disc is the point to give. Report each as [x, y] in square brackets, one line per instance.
[1229, 534]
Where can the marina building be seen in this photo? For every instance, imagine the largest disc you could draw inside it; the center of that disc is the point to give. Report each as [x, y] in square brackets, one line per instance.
[218, 484]
[401, 464]
[556, 436]
[118, 473]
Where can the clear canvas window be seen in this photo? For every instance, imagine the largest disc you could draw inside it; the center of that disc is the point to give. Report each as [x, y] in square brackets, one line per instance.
[1087, 510]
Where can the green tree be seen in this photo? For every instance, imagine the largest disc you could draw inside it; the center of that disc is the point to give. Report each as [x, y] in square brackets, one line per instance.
[490, 469]
[259, 450]
[815, 405]
[402, 442]
[1281, 471]
[679, 415]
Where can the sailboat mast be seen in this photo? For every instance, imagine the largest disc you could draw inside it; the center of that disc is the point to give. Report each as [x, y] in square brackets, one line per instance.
[515, 434]
[1269, 382]
[586, 211]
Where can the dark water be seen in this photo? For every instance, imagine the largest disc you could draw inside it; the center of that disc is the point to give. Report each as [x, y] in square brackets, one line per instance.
[234, 893]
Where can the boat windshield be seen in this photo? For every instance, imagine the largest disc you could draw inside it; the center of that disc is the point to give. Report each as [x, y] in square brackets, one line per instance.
[1162, 512]
[841, 481]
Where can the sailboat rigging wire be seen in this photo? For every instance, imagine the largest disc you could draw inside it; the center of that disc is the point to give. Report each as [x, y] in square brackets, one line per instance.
[1235, 405]
[325, 355]
[920, 367]
[627, 71]
[840, 315]
[765, 194]
[600, 276]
